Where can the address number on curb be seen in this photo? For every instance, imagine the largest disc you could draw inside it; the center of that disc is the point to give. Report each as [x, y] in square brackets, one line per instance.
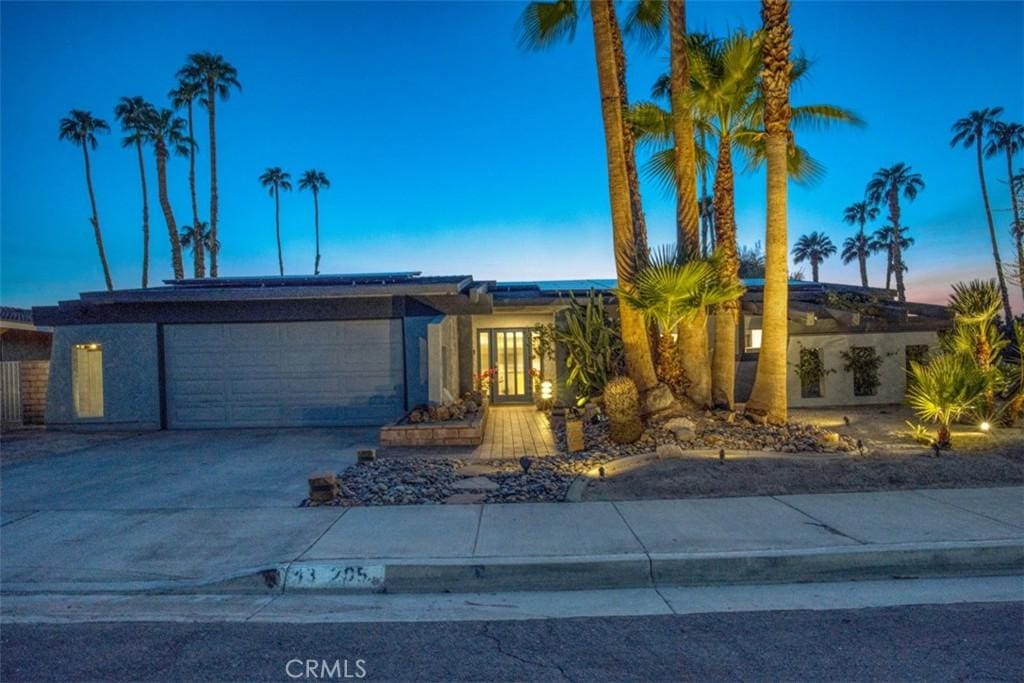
[367, 576]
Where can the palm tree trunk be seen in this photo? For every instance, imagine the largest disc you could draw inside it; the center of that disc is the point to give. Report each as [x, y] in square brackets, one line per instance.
[814, 269]
[693, 356]
[277, 224]
[172, 226]
[897, 250]
[635, 339]
[95, 220]
[723, 361]
[1018, 228]
[316, 224]
[211, 95]
[629, 143]
[862, 258]
[1000, 276]
[769, 397]
[888, 267]
[198, 256]
[145, 217]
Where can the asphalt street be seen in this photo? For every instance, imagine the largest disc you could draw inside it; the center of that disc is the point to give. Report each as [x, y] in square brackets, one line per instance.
[967, 641]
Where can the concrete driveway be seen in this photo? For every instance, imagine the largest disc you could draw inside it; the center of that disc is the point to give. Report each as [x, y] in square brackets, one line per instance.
[173, 470]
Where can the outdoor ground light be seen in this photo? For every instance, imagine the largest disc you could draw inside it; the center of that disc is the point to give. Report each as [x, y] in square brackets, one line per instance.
[545, 390]
[984, 426]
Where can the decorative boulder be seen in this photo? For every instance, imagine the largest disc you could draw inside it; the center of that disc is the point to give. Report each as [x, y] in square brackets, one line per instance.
[657, 399]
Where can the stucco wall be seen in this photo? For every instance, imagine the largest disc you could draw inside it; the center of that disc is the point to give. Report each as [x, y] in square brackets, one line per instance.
[443, 363]
[837, 386]
[131, 377]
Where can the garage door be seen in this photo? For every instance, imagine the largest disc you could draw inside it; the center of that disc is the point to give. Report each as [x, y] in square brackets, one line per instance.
[283, 374]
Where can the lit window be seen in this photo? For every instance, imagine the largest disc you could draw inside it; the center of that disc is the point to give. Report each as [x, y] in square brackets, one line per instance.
[752, 334]
[87, 379]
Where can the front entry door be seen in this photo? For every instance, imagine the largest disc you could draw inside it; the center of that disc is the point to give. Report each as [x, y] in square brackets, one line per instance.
[510, 356]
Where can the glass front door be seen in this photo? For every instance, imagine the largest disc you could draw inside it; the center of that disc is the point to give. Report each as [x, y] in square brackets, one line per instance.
[508, 352]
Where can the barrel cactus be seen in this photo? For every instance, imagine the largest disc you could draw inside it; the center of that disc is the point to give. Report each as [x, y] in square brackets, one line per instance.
[622, 406]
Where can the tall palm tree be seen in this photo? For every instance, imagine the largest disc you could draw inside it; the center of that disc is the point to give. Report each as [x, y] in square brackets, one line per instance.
[886, 185]
[167, 133]
[185, 96]
[813, 248]
[275, 180]
[214, 72]
[1009, 138]
[187, 237]
[859, 246]
[542, 24]
[132, 113]
[314, 181]
[768, 396]
[651, 17]
[968, 132]
[80, 127]
[881, 241]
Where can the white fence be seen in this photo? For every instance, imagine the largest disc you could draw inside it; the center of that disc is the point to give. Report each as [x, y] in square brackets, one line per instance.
[10, 393]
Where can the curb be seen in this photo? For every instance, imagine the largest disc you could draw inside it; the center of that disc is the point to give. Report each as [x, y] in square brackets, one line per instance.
[636, 570]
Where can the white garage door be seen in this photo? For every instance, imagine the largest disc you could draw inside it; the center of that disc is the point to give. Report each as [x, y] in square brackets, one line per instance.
[283, 374]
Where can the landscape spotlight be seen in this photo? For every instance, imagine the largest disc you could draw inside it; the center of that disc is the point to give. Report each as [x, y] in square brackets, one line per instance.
[984, 426]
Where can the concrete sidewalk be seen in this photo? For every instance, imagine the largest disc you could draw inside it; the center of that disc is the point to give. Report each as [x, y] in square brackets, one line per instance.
[544, 546]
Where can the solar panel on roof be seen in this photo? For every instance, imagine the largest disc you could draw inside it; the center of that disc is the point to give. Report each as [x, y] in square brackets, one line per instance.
[297, 280]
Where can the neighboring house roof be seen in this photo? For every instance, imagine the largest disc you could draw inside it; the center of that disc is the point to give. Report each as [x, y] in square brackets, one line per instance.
[15, 315]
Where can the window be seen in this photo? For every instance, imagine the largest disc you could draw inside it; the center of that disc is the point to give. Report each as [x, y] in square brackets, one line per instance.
[752, 334]
[811, 371]
[87, 379]
[483, 354]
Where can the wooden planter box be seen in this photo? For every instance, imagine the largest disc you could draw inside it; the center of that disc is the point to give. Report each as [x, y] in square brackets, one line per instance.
[469, 432]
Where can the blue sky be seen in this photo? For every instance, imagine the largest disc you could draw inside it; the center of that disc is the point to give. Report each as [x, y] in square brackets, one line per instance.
[450, 150]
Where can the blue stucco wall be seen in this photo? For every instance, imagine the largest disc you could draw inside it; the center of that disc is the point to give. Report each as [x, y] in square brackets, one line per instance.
[131, 377]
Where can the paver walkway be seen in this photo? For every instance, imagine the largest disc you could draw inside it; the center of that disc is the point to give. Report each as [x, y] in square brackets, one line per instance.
[515, 431]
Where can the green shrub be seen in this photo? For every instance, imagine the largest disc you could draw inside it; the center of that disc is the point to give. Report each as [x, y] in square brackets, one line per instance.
[622, 406]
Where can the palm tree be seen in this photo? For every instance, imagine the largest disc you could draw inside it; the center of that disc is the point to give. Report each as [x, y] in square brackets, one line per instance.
[166, 132]
[185, 95]
[1009, 138]
[80, 127]
[132, 113]
[943, 389]
[672, 289]
[768, 396]
[219, 77]
[276, 180]
[542, 24]
[813, 248]
[968, 132]
[314, 180]
[886, 185]
[882, 241]
[187, 237]
[859, 246]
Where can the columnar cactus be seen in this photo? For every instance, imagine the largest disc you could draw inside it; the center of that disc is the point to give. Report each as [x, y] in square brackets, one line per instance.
[622, 405]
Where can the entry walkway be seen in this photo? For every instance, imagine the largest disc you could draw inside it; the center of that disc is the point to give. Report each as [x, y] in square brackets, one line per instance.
[515, 431]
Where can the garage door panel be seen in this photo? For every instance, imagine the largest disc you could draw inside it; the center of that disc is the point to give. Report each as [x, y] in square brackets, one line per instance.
[284, 374]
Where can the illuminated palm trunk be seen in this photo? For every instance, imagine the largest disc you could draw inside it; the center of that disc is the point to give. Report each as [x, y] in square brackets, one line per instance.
[723, 361]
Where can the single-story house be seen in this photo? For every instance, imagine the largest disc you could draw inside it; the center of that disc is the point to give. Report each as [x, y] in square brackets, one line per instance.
[24, 367]
[347, 350]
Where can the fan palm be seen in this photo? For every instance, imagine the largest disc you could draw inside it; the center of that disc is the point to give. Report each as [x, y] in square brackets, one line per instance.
[886, 185]
[1008, 138]
[314, 181]
[673, 289]
[79, 128]
[187, 237]
[275, 180]
[768, 396]
[185, 96]
[542, 24]
[968, 132]
[167, 133]
[882, 241]
[859, 246]
[813, 248]
[944, 389]
[218, 77]
[132, 113]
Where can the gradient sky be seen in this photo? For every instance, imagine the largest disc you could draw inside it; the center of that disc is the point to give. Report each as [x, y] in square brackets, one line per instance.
[450, 150]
